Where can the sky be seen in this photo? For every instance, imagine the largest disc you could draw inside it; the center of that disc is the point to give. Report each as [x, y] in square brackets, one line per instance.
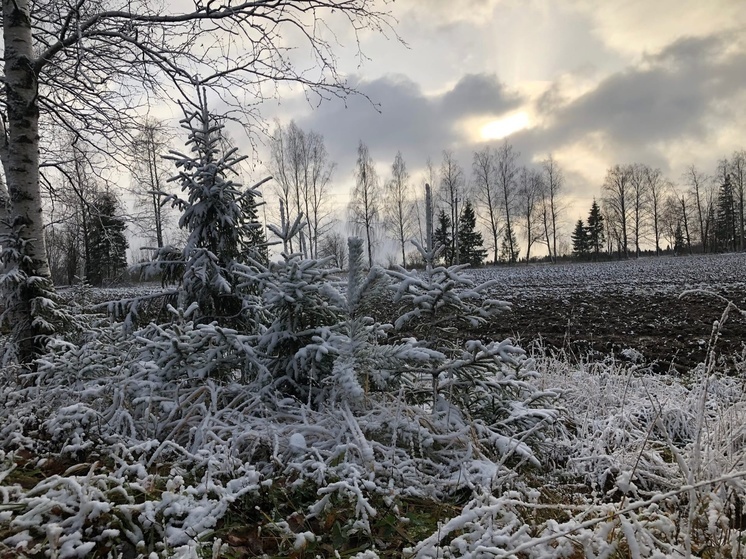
[594, 83]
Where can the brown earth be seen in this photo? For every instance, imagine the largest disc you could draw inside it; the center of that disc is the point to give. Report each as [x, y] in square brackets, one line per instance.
[671, 330]
[667, 331]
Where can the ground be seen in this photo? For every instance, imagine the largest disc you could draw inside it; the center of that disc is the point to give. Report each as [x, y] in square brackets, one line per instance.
[662, 308]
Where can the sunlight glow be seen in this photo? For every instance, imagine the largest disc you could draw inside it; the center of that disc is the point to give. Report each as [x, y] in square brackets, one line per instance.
[504, 127]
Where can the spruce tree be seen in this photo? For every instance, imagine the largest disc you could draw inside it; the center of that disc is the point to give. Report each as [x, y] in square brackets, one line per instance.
[217, 214]
[725, 224]
[580, 240]
[485, 382]
[107, 256]
[596, 233]
[442, 237]
[679, 243]
[254, 241]
[470, 245]
[509, 249]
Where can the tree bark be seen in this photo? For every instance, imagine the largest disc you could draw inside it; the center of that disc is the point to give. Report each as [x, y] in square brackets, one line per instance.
[22, 176]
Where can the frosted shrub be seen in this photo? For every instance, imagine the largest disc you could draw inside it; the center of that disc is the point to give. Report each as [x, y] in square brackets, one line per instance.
[486, 385]
[318, 346]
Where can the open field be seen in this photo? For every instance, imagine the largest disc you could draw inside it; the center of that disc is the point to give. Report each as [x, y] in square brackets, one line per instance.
[663, 308]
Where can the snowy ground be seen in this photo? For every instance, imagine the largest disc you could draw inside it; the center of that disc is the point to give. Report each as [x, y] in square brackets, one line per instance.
[669, 275]
[155, 445]
[662, 308]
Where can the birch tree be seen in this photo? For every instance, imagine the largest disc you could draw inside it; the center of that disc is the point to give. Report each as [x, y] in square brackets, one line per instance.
[738, 180]
[484, 175]
[638, 197]
[618, 200]
[149, 176]
[507, 176]
[656, 188]
[452, 195]
[89, 65]
[552, 185]
[364, 208]
[397, 205]
[702, 194]
[300, 165]
[529, 191]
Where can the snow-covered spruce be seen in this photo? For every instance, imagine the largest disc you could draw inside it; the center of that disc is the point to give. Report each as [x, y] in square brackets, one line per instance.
[220, 218]
[485, 385]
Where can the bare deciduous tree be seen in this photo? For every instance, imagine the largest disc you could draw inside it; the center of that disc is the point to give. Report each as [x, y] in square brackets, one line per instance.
[670, 218]
[685, 221]
[484, 173]
[552, 184]
[702, 194]
[397, 205]
[334, 245]
[638, 198]
[149, 176]
[529, 193]
[656, 189]
[300, 165]
[452, 194]
[507, 177]
[364, 208]
[738, 180]
[618, 202]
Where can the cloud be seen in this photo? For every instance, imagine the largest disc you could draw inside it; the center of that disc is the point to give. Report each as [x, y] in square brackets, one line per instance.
[681, 104]
[406, 119]
[448, 12]
[638, 26]
[677, 94]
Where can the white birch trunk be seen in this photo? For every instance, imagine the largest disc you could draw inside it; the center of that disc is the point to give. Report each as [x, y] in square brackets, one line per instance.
[22, 173]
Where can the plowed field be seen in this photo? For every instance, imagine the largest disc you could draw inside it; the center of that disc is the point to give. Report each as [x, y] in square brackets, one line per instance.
[657, 310]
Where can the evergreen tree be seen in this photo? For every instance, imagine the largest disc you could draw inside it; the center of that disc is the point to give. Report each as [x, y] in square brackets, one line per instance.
[712, 237]
[679, 243]
[580, 240]
[470, 244]
[484, 381]
[725, 224]
[509, 249]
[596, 230]
[107, 257]
[216, 213]
[254, 241]
[442, 237]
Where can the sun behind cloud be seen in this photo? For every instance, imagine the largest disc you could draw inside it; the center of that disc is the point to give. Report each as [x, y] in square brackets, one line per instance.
[505, 126]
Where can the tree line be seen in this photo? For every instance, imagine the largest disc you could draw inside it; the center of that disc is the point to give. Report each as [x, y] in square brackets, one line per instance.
[639, 207]
[501, 198]
[504, 207]
[479, 218]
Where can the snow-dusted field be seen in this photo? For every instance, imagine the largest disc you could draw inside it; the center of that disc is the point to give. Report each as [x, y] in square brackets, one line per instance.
[722, 273]
[661, 308]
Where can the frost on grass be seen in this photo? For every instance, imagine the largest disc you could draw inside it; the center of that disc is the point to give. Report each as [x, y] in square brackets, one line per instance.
[175, 422]
[277, 402]
[166, 432]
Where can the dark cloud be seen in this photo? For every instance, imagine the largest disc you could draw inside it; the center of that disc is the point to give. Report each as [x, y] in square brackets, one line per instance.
[671, 96]
[682, 93]
[477, 94]
[404, 118]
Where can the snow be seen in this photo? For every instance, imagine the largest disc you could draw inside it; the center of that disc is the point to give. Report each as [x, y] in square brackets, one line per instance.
[170, 430]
